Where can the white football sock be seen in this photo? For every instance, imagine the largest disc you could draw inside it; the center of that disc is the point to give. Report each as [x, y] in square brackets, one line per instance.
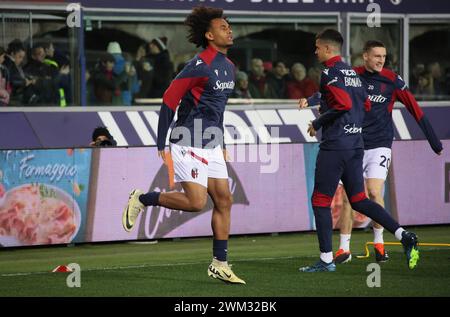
[378, 235]
[326, 257]
[398, 233]
[345, 242]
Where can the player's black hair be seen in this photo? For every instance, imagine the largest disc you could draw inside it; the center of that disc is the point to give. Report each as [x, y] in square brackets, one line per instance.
[330, 35]
[199, 22]
[371, 44]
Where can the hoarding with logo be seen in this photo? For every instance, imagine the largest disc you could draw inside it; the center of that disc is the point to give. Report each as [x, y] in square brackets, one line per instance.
[71, 196]
[43, 196]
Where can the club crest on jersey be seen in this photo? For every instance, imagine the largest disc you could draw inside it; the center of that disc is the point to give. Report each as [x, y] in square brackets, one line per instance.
[194, 173]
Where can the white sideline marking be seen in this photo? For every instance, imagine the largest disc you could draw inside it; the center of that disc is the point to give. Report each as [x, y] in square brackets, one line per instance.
[112, 268]
[148, 265]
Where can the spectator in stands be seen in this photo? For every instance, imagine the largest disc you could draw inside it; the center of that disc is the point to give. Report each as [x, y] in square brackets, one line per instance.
[314, 74]
[5, 87]
[299, 86]
[162, 65]
[105, 83]
[125, 72]
[434, 69]
[46, 84]
[425, 88]
[257, 83]
[277, 79]
[268, 67]
[145, 72]
[131, 85]
[415, 72]
[241, 88]
[102, 137]
[447, 82]
[22, 86]
[60, 71]
[119, 61]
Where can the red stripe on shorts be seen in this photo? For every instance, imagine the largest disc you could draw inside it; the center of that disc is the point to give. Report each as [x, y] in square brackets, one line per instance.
[201, 159]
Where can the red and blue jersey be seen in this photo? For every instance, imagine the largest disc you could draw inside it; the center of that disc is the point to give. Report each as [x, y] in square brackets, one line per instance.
[384, 88]
[344, 101]
[200, 92]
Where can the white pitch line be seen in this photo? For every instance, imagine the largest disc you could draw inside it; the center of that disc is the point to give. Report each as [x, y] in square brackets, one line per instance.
[112, 268]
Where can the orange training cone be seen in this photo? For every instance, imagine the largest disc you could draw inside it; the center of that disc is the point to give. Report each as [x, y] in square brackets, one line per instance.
[62, 268]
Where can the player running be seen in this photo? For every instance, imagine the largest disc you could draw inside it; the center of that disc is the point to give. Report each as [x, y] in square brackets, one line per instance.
[384, 88]
[196, 141]
[343, 99]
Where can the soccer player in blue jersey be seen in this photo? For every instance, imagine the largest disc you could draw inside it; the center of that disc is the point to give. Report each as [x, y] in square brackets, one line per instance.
[384, 88]
[343, 102]
[200, 92]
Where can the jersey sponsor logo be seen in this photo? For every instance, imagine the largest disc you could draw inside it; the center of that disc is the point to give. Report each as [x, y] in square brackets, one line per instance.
[348, 72]
[352, 82]
[377, 98]
[224, 85]
[352, 129]
[198, 62]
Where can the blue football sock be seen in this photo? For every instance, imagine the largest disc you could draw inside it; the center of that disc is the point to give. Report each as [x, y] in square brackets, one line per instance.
[150, 198]
[220, 249]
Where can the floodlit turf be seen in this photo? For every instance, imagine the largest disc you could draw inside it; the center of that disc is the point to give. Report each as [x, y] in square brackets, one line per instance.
[269, 264]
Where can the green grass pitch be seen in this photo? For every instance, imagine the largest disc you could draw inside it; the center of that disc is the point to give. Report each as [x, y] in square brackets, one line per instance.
[268, 263]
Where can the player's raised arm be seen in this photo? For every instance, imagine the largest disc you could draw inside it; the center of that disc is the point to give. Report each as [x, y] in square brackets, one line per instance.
[404, 95]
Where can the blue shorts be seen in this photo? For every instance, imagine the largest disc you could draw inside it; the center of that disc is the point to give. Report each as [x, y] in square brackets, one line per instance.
[332, 166]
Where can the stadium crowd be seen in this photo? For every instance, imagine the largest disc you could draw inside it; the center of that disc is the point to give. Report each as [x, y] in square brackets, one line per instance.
[40, 76]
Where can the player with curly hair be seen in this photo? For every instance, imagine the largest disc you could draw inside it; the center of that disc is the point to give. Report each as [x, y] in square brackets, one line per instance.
[200, 92]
